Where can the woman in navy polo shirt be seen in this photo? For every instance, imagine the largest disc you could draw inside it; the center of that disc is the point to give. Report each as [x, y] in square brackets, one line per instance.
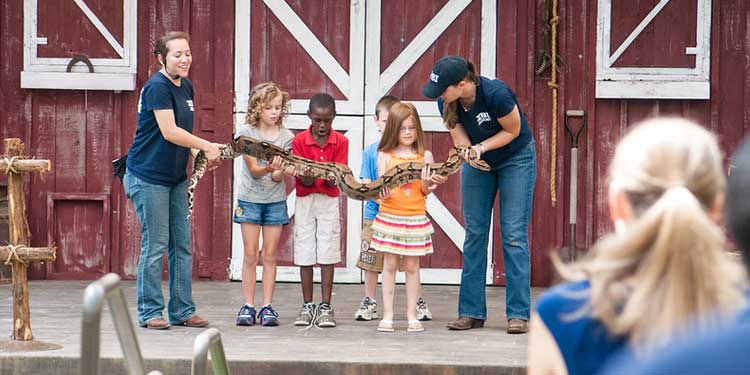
[485, 114]
[156, 182]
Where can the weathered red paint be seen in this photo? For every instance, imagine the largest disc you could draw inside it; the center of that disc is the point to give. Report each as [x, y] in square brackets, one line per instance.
[277, 56]
[56, 125]
[81, 132]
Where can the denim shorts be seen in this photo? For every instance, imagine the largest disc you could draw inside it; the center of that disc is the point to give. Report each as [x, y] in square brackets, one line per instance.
[261, 213]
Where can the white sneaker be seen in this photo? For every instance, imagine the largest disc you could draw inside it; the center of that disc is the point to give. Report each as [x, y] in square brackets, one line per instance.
[324, 318]
[306, 315]
[423, 312]
[368, 310]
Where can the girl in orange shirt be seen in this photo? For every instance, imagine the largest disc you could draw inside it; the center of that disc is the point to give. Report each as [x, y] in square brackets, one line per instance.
[401, 228]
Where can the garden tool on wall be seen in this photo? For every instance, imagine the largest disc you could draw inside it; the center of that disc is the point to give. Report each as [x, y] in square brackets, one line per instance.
[574, 132]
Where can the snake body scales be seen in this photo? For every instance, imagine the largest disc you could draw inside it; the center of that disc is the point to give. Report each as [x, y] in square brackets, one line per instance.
[340, 173]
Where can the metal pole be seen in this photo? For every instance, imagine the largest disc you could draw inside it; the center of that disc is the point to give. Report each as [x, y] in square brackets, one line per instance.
[573, 208]
[209, 341]
[125, 331]
[108, 288]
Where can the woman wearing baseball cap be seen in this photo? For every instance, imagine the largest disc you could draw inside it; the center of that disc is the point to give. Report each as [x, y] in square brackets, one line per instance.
[484, 113]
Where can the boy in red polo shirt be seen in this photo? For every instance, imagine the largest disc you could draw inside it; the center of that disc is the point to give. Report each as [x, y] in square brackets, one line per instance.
[317, 230]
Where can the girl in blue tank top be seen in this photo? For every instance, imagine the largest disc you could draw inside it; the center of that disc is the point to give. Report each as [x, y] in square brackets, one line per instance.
[664, 270]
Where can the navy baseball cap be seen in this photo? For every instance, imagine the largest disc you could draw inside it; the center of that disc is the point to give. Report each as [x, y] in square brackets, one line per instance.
[449, 70]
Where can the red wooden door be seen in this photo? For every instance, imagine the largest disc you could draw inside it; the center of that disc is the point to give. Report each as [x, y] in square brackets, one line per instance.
[305, 47]
[411, 37]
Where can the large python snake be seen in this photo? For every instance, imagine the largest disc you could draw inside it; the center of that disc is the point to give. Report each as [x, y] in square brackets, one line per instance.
[340, 173]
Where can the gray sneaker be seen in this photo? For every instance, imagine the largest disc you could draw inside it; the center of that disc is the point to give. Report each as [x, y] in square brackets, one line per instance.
[324, 316]
[306, 315]
[423, 312]
[368, 310]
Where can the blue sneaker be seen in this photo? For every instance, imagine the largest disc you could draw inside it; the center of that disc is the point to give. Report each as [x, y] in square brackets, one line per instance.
[246, 316]
[268, 317]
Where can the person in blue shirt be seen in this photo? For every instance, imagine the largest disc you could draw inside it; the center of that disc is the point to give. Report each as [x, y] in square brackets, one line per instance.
[371, 261]
[724, 351]
[484, 113]
[662, 274]
[156, 182]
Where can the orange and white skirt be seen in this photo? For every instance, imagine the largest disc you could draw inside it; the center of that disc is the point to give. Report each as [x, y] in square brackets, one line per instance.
[403, 235]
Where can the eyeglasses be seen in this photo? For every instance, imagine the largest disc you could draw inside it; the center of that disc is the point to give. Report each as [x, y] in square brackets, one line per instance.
[405, 129]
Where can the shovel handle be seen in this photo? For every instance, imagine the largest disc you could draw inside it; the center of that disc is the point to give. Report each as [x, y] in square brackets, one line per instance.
[574, 133]
[573, 184]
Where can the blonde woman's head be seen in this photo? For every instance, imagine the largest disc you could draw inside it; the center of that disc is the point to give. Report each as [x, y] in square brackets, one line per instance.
[665, 267]
[661, 156]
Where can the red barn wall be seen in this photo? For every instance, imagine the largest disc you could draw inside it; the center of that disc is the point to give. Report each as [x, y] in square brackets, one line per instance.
[81, 132]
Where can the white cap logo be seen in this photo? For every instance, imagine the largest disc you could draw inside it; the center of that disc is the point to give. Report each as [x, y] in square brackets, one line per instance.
[434, 77]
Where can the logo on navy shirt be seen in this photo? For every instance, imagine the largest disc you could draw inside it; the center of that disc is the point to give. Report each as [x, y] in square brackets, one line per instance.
[190, 104]
[140, 101]
[482, 118]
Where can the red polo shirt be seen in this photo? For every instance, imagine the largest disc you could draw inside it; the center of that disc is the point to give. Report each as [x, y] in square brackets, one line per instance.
[336, 149]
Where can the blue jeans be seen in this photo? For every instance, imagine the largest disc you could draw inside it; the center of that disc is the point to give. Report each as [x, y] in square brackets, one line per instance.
[162, 212]
[514, 179]
[261, 213]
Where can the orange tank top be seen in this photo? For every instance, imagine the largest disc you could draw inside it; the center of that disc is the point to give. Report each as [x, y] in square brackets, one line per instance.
[407, 200]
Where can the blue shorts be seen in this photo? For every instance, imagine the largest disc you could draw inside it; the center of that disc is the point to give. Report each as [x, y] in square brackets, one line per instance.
[261, 213]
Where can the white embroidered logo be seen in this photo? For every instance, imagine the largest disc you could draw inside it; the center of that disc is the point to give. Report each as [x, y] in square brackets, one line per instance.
[482, 118]
[190, 104]
[140, 101]
[434, 77]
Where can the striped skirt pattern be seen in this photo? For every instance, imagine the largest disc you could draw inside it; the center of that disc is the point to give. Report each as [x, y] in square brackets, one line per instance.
[403, 235]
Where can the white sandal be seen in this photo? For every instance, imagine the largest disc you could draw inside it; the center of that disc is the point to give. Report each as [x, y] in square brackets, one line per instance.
[415, 326]
[385, 326]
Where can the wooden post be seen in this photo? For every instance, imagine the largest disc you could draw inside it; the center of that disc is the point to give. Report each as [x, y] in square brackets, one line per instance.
[19, 232]
[5, 272]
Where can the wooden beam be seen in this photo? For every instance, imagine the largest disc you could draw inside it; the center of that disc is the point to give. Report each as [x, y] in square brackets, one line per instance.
[417, 47]
[19, 235]
[101, 28]
[24, 165]
[312, 45]
[29, 254]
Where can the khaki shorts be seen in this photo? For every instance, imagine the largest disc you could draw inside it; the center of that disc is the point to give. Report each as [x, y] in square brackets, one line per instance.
[317, 230]
[369, 259]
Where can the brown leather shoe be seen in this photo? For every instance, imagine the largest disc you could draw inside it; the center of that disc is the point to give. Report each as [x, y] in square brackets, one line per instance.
[195, 321]
[464, 323]
[157, 323]
[516, 325]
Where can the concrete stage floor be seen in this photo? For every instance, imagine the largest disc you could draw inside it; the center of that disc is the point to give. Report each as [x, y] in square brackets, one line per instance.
[350, 348]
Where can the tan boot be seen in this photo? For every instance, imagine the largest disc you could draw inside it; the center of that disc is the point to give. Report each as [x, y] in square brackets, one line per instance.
[195, 321]
[516, 326]
[157, 323]
[464, 323]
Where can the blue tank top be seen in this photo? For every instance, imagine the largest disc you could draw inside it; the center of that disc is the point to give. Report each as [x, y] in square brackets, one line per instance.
[584, 342]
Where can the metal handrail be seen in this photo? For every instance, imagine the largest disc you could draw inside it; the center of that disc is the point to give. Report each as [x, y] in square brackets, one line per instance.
[209, 341]
[108, 288]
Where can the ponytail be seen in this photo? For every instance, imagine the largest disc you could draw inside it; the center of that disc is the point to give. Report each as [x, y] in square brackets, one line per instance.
[450, 114]
[675, 252]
